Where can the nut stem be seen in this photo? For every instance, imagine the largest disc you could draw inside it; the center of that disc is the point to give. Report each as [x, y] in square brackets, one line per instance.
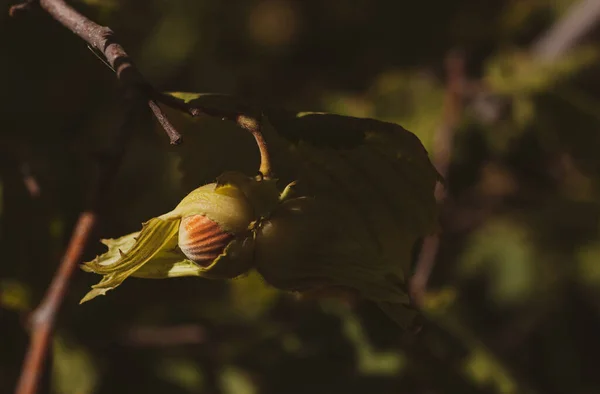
[253, 125]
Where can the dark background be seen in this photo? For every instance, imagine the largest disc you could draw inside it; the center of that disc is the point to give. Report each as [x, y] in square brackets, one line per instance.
[514, 302]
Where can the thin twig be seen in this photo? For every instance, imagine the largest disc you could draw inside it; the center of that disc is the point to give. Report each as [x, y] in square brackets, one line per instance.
[103, 39]
[442, 148]
[248, 117]
[564, 35]
[42, 321]
[560, 38]
[567, 32]
[20, 8]
[42, 318]
[160, 116]
[29, 180]
[180, 335]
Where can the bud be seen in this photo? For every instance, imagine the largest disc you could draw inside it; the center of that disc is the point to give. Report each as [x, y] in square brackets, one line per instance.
[208, 234]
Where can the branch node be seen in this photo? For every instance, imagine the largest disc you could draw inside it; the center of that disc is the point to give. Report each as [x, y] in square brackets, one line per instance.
[174, 136]
[195, 112]
[21, 8]
[106, 33]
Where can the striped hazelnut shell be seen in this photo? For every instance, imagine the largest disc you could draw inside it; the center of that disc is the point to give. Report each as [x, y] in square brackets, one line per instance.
[202, 240]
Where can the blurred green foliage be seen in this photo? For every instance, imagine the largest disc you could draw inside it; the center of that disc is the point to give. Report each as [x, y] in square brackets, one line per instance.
[514, 305]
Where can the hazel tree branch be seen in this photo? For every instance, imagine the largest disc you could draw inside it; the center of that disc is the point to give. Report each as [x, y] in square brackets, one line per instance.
[43, 317]
[103, 40]
[564, 35]
[567, 32]
[558, 40]
[442, 149]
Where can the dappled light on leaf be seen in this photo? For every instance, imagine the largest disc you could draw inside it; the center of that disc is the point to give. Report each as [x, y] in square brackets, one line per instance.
[181, 372]
[251, 297]
[73, 368]
[514, 73]
[502, 252]
[14, 295]
[370, 361]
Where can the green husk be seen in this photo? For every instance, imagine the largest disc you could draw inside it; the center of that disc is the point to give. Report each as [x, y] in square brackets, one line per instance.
[233, 202]
[157, 237]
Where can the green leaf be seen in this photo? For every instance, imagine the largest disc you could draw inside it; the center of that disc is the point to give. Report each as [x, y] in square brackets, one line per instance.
[73, 368]
[370, 185]
[370, 361]
[369, 188]
[157, 236]
[384, 155]
[182, 372]
[235, 381]
[502, 251]
[250, 297]
[479, 365]
[14, 295]
[227, 210]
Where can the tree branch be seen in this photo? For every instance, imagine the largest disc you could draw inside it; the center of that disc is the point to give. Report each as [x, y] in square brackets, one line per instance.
[42, 321]
[442, 148]
[20, 8]
[565, 34]
[103, 40]
[156, 336]
[29, 180]
[561, 37]
[43, 317]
